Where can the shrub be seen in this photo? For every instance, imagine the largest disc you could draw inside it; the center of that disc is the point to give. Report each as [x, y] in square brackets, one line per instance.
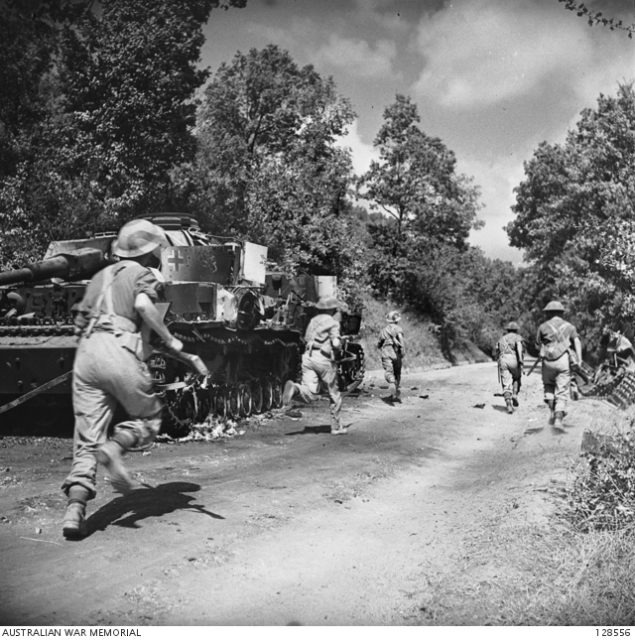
[603, 493]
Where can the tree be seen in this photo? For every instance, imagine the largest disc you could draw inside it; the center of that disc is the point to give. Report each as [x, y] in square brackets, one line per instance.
[415, 180]
[268, 166]
[99, 149]
[574, 216]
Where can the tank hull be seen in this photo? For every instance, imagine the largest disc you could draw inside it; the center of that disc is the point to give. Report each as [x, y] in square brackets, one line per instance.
[246, 325]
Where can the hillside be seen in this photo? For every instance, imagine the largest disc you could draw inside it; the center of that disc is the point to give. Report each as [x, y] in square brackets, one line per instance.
[423, 350]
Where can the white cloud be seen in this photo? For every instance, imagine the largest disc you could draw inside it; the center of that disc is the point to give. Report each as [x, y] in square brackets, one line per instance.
[357, 57]
[479, 52]
[496, 181]
[361, 152]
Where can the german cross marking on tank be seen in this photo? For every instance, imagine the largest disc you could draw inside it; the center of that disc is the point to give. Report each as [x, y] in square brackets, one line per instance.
[177, 259]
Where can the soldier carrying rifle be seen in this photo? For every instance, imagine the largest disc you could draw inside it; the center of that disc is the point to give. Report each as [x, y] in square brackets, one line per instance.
[510, 356]
[560, 351]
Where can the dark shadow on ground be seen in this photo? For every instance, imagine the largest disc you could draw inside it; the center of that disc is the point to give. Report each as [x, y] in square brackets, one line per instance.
[388, 400]
[533, 430]
[321, 428]
[147, 502]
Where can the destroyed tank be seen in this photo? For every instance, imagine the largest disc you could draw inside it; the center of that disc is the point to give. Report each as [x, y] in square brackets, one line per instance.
[245, 324]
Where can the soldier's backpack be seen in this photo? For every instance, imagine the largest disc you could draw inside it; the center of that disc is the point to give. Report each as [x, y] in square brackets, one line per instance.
[557, 348]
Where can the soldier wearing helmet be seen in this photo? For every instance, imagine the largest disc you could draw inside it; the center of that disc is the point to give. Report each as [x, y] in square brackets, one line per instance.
[110, 370]
[392, 346]
[560, 348]
[510, 356]
[323, 345]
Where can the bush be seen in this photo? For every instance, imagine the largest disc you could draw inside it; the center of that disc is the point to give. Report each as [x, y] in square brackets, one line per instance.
[603, 493]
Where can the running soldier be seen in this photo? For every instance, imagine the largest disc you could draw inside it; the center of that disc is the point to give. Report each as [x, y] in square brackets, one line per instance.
[557, 339]
[109, 368]
[391, 346]
[323, 346]
[510, 356]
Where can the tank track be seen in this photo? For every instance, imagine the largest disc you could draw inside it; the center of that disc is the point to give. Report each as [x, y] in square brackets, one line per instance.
[248, 372]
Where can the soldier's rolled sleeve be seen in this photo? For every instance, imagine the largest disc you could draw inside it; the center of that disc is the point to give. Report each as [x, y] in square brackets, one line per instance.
[147, 283]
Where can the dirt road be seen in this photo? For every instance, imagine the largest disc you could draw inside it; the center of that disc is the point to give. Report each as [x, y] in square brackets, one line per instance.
[410, 518]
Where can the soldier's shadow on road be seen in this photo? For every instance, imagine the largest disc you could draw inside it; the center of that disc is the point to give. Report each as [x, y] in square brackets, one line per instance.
[147, 502]
[320, 428]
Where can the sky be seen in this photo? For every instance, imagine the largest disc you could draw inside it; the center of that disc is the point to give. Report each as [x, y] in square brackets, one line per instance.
[491, 78]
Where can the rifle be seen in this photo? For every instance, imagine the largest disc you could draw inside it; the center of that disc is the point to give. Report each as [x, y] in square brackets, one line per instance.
[533, 366]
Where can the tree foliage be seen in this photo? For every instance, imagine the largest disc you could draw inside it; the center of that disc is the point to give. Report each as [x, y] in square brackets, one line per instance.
[419, 255]
[415, 180]
[268, 165]
[574, 216]
[598, 18]
[95, 113]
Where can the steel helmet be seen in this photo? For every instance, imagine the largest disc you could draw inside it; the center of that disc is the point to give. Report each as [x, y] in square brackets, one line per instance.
[554, 305]
[393, 316]
[138, 237]
[329, 302]
[512, 326]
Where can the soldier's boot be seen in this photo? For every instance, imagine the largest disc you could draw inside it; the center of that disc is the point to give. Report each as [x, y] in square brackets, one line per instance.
[110, 455]
[74, 525]
[338, 430]
[558, 418]
[552, 414]
[397, 396]
[288, 392]
[508, 402]
[515, 394]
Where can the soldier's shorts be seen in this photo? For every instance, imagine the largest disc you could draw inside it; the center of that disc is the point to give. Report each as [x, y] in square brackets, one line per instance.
[509, 372]
[556, 379]
[392, 369]
[106, 373]
[318, 367]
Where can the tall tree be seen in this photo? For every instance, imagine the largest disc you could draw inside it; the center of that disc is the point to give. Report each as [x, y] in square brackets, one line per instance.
[120, 116]
[268, 165]
[415, 181]
[574, 216]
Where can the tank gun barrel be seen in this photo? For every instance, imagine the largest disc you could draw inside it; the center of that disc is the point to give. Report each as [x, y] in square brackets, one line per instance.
[77, 265]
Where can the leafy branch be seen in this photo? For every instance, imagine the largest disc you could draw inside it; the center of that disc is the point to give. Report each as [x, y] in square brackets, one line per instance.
[597, 17]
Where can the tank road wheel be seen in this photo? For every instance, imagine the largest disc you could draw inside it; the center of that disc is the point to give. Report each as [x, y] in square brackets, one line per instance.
[178, 413]
[188, 405]
[276, 394]
[267, 395]
[244, 394]
[204, 404]
[212, 392]
[257, 397]
[233, 405]
[222, 401]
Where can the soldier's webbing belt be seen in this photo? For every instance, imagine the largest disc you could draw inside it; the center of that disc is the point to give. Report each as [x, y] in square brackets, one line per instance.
[108, 321]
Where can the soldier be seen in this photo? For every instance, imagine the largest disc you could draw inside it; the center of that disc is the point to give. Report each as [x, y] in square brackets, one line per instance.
[510, 356]
[323, 345]
[109, 367]
[556, 338]
[391, 346]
